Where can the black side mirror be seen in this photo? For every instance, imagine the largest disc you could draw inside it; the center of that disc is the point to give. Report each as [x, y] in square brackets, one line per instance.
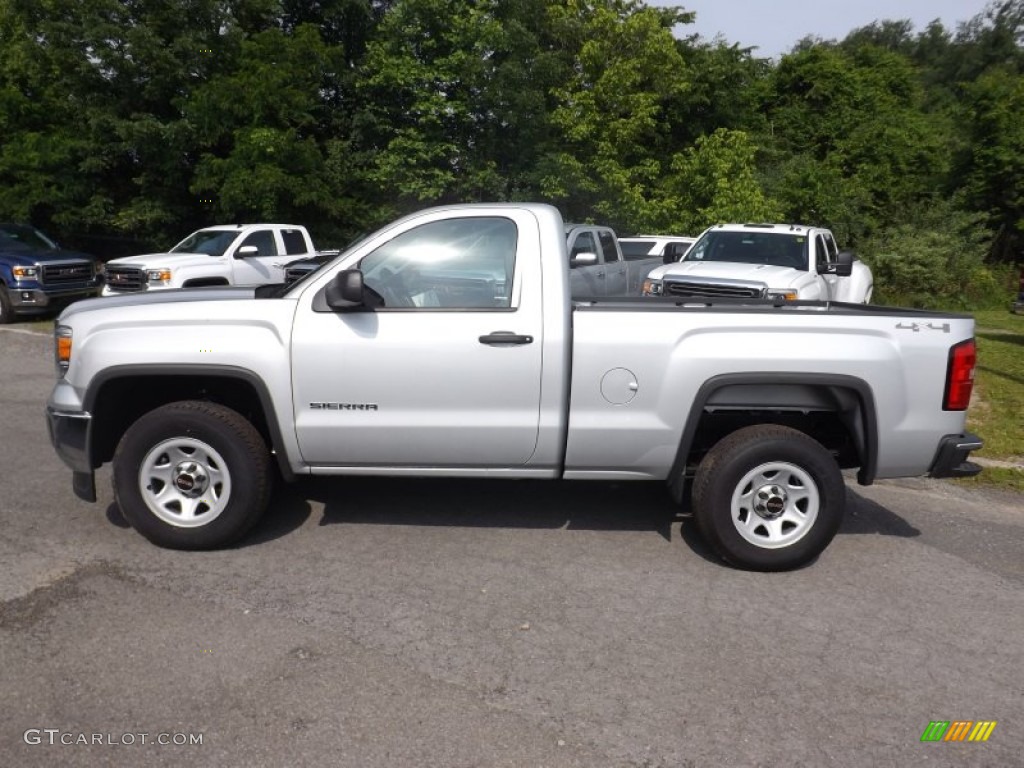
[844, 264]
[347, 292]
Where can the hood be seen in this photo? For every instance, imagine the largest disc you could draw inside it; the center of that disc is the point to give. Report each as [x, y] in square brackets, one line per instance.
[27, 257]
[169, 260]
[173, 296]
[772, 276]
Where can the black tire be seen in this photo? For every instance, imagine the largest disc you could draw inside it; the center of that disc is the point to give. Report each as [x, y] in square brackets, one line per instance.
[192, 475]
[6, 308]
[768, 498]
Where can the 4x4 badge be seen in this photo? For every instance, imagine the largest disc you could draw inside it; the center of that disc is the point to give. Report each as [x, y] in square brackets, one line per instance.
[915, 327]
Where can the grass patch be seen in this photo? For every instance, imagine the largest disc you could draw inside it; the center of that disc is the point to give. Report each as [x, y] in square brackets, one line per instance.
[999, 477]
[43, 325]
[997, 413]
[1000, 320]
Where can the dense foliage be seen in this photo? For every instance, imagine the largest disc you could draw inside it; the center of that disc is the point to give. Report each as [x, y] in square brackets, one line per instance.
[143, 119]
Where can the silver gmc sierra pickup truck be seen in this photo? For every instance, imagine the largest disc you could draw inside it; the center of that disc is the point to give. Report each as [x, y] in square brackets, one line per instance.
[446, 344]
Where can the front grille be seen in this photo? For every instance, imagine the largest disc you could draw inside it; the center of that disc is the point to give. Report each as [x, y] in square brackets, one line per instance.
[67, 273]
[715, 290]
[124, 278]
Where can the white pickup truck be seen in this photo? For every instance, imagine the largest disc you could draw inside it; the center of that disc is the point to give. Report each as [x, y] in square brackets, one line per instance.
[233, 254]
[447, 344]
[776, 261]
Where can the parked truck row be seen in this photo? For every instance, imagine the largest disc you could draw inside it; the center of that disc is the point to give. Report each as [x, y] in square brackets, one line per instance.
[448, 344]
[743, 260]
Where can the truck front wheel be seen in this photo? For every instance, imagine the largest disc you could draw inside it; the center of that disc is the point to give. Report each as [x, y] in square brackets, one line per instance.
[768, 498]
[192, 475]
[6, 310]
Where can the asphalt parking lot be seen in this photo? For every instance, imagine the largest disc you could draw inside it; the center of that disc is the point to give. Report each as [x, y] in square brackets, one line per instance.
[374, 622]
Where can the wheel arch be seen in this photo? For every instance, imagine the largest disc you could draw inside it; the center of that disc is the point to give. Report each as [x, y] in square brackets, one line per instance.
[119, 395]
[810, 402]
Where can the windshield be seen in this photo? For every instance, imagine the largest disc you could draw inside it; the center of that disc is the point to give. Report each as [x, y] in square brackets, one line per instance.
[777, 249]
[19, 237]
[212, 242]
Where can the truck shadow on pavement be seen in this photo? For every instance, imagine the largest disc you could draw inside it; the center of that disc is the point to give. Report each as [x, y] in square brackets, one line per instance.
[864, 516]
[534, 504]
[540, 504]
[595, 506]
[288, 512]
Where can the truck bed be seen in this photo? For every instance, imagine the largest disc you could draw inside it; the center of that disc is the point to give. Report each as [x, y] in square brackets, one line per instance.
[627, 417]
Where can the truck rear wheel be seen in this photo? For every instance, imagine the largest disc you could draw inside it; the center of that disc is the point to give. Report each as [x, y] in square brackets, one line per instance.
[768, 498]
[192, 475]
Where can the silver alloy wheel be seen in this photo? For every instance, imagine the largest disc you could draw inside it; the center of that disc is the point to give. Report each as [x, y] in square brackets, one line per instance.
[775, 505]
[185, 482]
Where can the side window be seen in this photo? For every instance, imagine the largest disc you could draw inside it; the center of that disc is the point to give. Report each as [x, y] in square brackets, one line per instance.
[465, 263]
[263, 240]
[585, 243]
[821, 251]
[294, 242]
[833, 250]
[611, 254]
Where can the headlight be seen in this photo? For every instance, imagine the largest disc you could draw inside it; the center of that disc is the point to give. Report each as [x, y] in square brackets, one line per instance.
[786, 294]
[62, 348]
[652, 287]
[23, 273]
[159, 275]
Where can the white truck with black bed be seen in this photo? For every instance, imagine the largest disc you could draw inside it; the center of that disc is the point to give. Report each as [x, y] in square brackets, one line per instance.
[228, 254]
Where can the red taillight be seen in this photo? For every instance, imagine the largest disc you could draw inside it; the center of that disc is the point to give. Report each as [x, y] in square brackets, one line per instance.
[960, 376]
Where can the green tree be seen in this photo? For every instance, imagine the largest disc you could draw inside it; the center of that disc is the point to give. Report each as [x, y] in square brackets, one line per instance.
[851, 141]
[258, 130]
[454, 102]
[91, 95]
[614, 142]
[993, 163]
[934, 259]
[715, 182]
[726, 88]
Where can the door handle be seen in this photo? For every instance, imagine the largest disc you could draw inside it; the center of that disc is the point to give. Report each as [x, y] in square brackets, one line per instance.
[600, 275]
[501, 338]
